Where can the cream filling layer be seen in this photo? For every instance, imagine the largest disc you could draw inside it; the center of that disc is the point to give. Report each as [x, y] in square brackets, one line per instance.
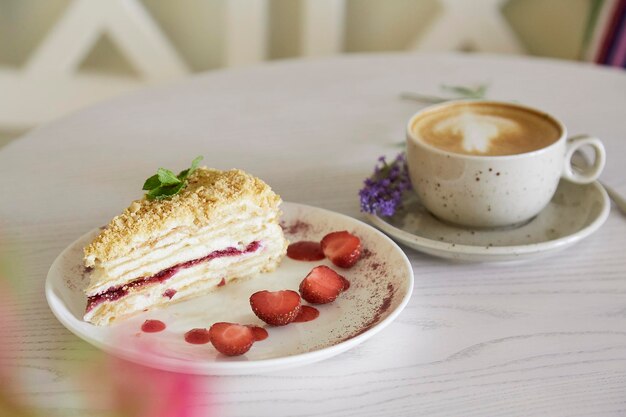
[179, 234]
[180, 249]
[197, 280]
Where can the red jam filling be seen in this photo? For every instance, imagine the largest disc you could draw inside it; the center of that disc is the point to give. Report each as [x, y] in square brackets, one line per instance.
[115, 293]
[169, 293]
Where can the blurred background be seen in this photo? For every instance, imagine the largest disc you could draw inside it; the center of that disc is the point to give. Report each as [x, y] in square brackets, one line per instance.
[57, 56]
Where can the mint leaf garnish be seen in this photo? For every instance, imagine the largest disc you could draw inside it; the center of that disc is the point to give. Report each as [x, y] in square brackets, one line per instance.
[194, 165]
[165, 191]
[166, 184]
[151, 183]
[167, 177]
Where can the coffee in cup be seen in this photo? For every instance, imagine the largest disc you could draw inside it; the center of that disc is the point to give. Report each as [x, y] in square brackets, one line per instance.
[491, 164]
[487, 129]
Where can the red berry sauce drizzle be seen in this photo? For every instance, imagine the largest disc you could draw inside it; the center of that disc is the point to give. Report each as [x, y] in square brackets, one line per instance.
[305, 250]
[307, 313]
[153, 326]
[115, 293]
[197, 336]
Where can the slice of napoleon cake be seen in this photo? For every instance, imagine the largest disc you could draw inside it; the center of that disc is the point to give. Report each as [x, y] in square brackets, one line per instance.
[219, 227]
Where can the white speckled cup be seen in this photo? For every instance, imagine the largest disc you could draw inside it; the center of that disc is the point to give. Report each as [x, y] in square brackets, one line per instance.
[494, 191]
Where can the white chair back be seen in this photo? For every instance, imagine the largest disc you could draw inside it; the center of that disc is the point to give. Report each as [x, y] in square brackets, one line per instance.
[50, 85]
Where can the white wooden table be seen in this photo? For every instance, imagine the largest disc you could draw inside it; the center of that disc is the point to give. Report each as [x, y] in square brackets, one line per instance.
[546, 338]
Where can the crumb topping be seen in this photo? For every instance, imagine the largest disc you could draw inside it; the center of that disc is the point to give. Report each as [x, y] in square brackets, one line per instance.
[207, 192]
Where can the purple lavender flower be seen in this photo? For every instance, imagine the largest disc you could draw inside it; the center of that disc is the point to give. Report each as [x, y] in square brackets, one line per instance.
[383, 191]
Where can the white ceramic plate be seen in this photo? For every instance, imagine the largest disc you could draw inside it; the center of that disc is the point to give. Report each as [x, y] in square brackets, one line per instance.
[381, 284]
[575, 212]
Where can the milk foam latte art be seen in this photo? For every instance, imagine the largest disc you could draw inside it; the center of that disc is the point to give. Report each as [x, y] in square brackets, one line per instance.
[486, 129]
[481, 163]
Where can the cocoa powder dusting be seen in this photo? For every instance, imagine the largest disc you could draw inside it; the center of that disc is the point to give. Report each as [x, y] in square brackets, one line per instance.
[376, 271]
[295, 228]
[382, 309]
[70, 284]
[80, 271]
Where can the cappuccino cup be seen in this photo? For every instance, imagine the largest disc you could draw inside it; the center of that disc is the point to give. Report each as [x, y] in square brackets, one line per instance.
[484, 164]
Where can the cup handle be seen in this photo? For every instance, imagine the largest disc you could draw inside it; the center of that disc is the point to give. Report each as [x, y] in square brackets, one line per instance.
[591, 173]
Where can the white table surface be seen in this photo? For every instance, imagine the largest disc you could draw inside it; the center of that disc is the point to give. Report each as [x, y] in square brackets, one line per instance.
[546, 338]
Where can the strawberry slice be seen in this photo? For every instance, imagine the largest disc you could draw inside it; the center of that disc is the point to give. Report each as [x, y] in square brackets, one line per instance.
[259, 332]
[322, 285]
[277, 308]
[231, 339]
[305, 251]
[342, 248]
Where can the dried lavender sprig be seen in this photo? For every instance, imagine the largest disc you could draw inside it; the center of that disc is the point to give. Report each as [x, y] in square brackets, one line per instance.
[382, 192]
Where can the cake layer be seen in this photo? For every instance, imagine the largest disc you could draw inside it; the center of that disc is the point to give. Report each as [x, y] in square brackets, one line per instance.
[198, 279]
[117, 292]
[243, 214]
[181, 247]
[209, 195]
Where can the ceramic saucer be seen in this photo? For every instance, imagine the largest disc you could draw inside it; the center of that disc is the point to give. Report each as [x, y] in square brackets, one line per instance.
[575, 212]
